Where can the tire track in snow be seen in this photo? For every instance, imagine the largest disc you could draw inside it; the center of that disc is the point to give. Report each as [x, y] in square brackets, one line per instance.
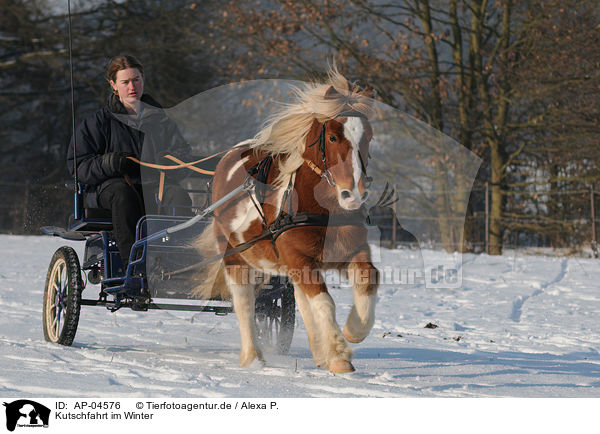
[517, 309]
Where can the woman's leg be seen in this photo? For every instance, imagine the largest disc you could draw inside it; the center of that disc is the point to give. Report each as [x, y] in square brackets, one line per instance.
[125, 205]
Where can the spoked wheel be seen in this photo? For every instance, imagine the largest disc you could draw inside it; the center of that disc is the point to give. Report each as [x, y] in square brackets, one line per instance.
[276, 316]
[62, 297]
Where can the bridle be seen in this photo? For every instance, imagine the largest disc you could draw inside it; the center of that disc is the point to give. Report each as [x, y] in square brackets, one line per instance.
[325, 172]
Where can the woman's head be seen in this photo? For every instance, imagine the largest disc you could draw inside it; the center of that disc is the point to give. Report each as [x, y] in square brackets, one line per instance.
[126, 77]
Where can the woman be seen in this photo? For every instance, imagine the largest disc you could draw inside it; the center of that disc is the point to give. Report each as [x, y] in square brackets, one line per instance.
[132, 124]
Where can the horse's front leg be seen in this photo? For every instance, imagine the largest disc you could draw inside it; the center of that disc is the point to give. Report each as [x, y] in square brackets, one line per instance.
[337, 353]
[365, 279]
[242, 293]
[314, 338]
[318, 312]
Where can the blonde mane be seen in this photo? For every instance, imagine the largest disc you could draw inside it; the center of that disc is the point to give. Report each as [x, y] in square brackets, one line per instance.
[286, 131]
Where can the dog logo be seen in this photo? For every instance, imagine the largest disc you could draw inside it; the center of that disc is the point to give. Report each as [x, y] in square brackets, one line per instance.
[26, 413]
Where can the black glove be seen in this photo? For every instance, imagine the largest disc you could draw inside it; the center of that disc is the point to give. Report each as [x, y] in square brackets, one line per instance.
[120, 164]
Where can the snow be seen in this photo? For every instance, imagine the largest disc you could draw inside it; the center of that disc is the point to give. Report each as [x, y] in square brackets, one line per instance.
[518, 326]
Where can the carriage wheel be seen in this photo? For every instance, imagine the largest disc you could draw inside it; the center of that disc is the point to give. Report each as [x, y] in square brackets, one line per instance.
[62, 297]
[275, 318]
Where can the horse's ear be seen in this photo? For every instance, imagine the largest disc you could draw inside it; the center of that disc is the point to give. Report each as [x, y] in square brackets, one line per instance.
[331, 93]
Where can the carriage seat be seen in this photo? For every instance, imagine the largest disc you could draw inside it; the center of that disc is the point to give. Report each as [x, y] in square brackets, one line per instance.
[92, 219]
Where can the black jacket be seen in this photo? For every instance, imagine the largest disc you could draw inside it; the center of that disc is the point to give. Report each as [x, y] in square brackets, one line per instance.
[148, 137]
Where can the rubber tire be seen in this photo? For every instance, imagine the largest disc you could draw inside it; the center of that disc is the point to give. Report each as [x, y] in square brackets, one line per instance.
[65, 262]
[276, 333]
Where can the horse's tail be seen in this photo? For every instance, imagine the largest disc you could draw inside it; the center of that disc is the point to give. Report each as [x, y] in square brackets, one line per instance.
[212, 275]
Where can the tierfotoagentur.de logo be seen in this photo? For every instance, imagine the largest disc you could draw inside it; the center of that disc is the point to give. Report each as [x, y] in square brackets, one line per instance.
[26, 414]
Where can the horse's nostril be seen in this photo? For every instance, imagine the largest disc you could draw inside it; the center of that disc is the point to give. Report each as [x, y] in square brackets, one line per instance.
[364, 196]
[346, 194]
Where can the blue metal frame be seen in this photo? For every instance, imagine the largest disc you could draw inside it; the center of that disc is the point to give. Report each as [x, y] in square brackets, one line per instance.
[130, 287]
[125, 285]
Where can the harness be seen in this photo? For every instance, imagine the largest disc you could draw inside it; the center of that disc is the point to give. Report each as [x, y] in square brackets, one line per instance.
[284, 221]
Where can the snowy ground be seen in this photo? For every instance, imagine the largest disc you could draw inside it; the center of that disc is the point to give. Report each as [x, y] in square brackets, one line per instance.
[520, 326]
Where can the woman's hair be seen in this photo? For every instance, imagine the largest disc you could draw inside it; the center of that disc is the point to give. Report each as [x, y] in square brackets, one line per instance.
[121, 62]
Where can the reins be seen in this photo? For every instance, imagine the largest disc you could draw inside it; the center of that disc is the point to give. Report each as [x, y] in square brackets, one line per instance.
[180, 165]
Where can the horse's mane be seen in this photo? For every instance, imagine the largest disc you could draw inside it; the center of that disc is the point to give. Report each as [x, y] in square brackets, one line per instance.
[285, 131]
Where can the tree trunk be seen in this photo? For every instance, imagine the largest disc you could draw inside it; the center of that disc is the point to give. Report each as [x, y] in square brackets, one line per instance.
[465, 97]
[449, 239]
[497, 201]
[495, 114]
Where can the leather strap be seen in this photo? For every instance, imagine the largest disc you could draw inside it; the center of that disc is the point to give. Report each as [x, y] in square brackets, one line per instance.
[180, 164]
[161, 186]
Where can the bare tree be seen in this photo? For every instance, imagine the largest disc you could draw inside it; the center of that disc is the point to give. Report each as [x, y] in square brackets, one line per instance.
[471, 68]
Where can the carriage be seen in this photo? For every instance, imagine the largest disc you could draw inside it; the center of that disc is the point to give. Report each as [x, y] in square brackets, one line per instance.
[302, 181]
[150, 280]
[288, 204]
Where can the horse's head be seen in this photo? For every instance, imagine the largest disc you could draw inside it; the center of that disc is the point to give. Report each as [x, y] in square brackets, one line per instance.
[337, 150]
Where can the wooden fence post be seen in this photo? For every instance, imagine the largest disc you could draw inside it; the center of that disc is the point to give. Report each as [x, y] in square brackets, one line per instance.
[487, 218]
[593, 212]
[26, 207]
[394, 220]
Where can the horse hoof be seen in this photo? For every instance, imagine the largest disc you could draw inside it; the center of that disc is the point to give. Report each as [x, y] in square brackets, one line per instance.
[340, 366]
[350, 338]
[247, 357]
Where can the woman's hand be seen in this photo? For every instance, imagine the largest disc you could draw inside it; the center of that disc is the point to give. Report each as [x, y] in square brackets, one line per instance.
[120, 164]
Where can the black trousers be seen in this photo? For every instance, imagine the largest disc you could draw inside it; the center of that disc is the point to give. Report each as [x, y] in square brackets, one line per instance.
[127, 206]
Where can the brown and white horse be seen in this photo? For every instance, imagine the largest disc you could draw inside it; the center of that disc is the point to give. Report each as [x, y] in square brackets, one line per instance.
[319, 147]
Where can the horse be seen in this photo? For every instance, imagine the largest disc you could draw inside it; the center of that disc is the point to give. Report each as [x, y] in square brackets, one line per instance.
[327, 180]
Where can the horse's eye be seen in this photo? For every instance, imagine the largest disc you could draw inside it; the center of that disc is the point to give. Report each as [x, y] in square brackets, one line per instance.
[332, 139]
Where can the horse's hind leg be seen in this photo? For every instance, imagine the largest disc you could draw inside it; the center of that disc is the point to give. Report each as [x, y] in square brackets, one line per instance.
[365, 280]
[242, 293]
